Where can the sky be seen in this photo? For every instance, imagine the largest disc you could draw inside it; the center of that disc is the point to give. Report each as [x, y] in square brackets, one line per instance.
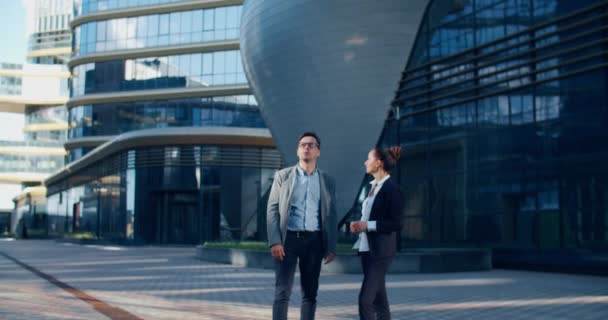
[13, 38]
[13, 48]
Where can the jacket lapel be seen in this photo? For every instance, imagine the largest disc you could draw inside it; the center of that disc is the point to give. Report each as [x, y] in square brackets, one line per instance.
[378, 201]
[291, 182]
[323, 195]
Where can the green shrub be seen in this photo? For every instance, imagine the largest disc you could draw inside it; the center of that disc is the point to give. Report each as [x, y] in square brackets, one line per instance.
[80, 235]
[245, 245]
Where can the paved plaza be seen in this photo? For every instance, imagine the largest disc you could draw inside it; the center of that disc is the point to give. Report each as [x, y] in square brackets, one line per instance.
[50, 280]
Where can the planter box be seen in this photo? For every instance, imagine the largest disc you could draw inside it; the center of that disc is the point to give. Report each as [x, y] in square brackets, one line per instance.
[418, 261]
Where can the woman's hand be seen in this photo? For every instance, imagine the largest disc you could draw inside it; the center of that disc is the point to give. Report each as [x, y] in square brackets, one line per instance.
[358, 226]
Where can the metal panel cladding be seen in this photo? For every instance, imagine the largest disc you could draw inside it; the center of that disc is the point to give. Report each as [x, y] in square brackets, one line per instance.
[331, 67]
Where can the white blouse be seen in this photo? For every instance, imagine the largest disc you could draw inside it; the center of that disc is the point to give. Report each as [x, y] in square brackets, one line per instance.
[362, 243]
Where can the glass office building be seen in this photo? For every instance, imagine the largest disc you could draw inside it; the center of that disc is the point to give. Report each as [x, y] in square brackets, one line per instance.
[501, 112]
[166, 143]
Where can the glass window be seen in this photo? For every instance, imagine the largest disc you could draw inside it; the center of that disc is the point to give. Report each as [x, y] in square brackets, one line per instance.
[174, 23]
[142, 28]
[197, 21]
[163, 66]
[195, 64]
[220, 18]
[219, 62]
[112, 33]
[222, 111]
[173, 66]
[186, 22]
[231, 61]
[131, 28]
[207, 63]
[208, 69]
[91, 32]
[101, 31]
[153, 30]
[164, 24]
[184, 65]
[208, 20]
[232, 18]
[152, 25]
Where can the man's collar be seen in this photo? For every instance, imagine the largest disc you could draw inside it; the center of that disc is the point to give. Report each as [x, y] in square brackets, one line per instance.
[302, 172]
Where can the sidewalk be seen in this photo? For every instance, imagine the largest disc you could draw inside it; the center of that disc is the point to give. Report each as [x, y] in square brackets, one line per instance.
[170, 283]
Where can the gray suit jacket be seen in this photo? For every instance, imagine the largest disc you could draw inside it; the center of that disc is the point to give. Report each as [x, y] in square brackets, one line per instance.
[279, 202]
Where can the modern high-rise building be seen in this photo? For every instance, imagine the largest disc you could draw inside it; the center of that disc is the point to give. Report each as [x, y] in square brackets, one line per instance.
[50, 37]
[500, 108]
[37, 102]
[32, 107]
[10, 86]
[166, 143]
[31, 147]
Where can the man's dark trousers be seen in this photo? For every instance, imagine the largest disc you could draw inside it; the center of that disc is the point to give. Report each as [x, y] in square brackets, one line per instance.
[307, 247]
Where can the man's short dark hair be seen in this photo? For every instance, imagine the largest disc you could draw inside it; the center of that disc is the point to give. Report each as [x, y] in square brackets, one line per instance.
[310, 134]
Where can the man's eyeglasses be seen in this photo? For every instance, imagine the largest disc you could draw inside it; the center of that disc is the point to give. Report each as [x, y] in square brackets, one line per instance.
[311, 145]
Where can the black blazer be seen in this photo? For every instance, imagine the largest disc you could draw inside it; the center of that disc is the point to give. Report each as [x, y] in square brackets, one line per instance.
[387, 211]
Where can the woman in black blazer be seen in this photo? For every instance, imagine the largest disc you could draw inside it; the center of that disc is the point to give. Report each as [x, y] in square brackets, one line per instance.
[380, 221]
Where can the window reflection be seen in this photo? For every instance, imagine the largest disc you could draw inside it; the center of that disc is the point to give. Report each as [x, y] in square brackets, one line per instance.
[181, 71]
[176, 28]
[116, 118]
[89, 6]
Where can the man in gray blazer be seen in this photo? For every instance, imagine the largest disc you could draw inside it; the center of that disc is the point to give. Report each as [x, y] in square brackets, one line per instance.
[302, 225]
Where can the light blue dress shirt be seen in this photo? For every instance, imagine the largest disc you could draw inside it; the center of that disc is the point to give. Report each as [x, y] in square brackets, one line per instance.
[304, 209]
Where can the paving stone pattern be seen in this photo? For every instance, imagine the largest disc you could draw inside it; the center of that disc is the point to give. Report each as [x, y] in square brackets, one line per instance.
[170, 283]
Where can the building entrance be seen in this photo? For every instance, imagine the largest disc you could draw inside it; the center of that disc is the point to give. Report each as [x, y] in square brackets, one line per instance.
[178, 218]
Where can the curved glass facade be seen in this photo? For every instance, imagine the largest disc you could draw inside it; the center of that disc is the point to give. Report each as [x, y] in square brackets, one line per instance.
[77, 153]
[158, 30]
[89, 6]
[116, 118]
[161, 193]
[179, 71]
[169, 194]
[501, 115]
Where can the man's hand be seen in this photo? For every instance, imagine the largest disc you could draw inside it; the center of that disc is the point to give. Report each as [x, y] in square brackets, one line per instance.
[358, 226]
[329, 257]
[277, 252]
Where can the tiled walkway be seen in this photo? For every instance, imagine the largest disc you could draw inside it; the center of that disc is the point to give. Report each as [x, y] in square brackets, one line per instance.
[170, 283]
